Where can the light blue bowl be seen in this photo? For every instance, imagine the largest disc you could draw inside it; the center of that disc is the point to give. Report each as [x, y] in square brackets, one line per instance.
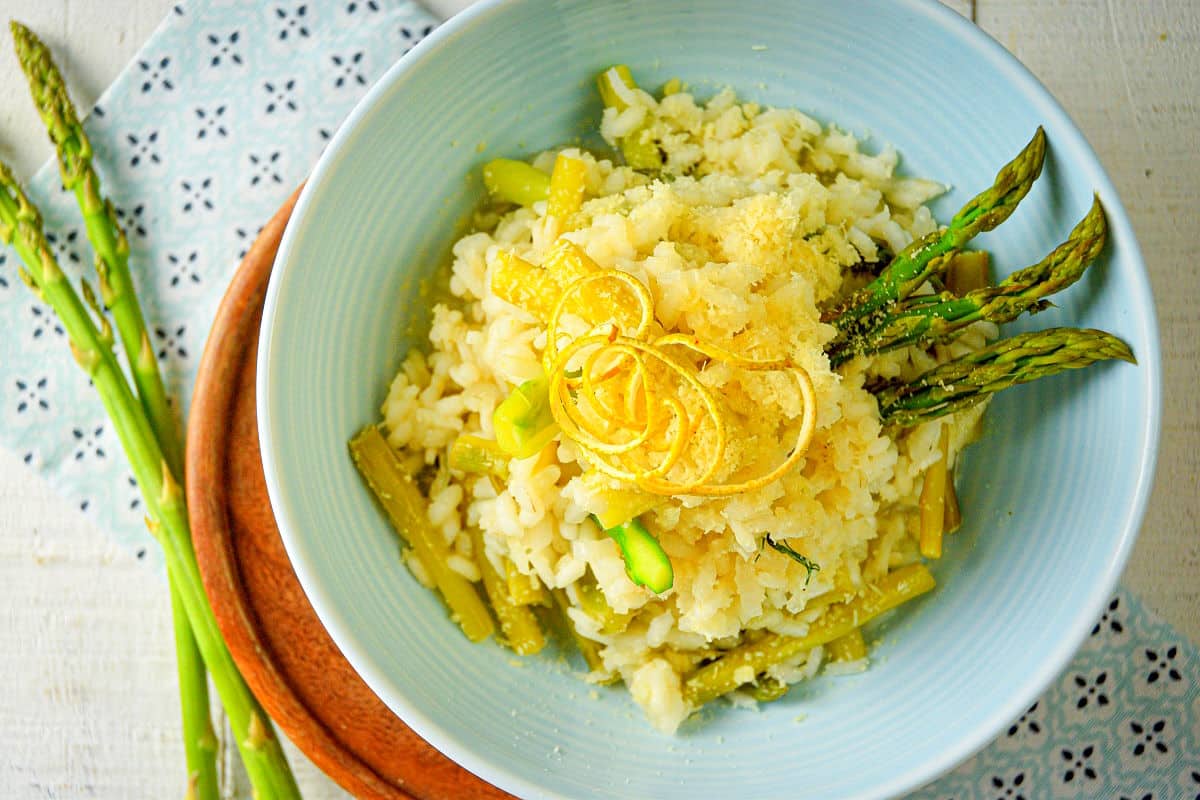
[1052, 496]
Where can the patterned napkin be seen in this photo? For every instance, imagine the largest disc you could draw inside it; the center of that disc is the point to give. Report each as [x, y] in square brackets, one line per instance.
[221, 114]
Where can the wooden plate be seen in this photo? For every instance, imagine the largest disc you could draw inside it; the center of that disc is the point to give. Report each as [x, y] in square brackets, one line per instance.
[287, 658]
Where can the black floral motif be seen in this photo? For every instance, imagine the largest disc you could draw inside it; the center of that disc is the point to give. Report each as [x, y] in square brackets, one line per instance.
[184, 268]
[1079, 764]
[1110, 619]
[265, 167]
[143, 148]
[3, 279]
[411, 36]
[292, 22]
[1146, 796]
[1149, 736]
[1027, 722]
[27, 458]
[370, 5]
[1010, 787]
[348, 68]
[135, 499]
[1162, 665]
[31, 394]
[325, 134]
[1196, 781]
[89, 442]
[64, 246]
[132, 221]
[281, 95]
[246, 238]
[224, 49]
[156, 73]
[197, 194]
[45, 322]
[171, 341]
[211, 122]
[1091, 691]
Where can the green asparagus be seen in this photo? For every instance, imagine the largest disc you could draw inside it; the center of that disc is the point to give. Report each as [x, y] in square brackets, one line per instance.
[116, 289]
[941, 317]
[963, 382]
[92, 345]
[927, 256]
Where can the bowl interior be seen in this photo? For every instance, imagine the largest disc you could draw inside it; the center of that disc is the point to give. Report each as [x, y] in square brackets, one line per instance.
[1052, 496]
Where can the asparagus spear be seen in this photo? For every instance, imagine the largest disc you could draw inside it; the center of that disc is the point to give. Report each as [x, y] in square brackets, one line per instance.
[92, 345]
[913, 265]
[941, 317]
[103, 231]
[116, 289]
[960, 384]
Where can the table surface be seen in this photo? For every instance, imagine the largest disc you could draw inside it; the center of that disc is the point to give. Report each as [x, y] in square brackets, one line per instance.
[90, 706]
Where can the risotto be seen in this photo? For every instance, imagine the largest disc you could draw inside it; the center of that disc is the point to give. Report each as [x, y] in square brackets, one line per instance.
[744, 227]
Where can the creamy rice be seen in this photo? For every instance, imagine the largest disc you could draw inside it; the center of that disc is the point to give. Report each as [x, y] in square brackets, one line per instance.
[765, 217]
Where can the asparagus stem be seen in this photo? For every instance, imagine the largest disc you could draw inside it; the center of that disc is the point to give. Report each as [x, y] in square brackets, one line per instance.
[116, 288]
[21, 227]
[927, 256]
[942, 317]
[199, 739]
[965, 381]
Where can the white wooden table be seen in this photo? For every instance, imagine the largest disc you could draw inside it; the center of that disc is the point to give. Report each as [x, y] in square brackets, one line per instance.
[89, 706]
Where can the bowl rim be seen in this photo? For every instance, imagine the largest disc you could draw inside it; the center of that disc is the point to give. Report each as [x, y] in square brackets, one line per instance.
[986, 729]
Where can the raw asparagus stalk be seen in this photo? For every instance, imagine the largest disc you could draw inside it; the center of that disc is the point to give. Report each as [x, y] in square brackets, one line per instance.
[116, 289]
[965, 381]
[103, 231]
[92, 346]
[941, 317]
[199, 738]
[925, 257]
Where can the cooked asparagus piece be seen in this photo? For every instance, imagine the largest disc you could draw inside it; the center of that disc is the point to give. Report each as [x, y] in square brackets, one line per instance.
[525, 590]
[942, 317]
[768, 689]
[92, 346]
[523, 421]
[967, 271]
[515, 181]
[589, 649]
[646, 563]
[518, 622]
[928, 255]
[851, 647]
[405, 507]
[591, 599]
[932, 502]
[476, 455]
[726, 673]
[965, 381]
[640, 149]
[953, 519]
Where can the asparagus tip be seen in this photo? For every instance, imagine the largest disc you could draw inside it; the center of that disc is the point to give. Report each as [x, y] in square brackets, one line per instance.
[23, 38]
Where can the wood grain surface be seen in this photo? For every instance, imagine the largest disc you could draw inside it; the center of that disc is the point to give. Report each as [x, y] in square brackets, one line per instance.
[89, 706]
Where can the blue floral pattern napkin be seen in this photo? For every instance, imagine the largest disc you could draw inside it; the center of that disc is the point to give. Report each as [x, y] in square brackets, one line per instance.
[219, 117]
